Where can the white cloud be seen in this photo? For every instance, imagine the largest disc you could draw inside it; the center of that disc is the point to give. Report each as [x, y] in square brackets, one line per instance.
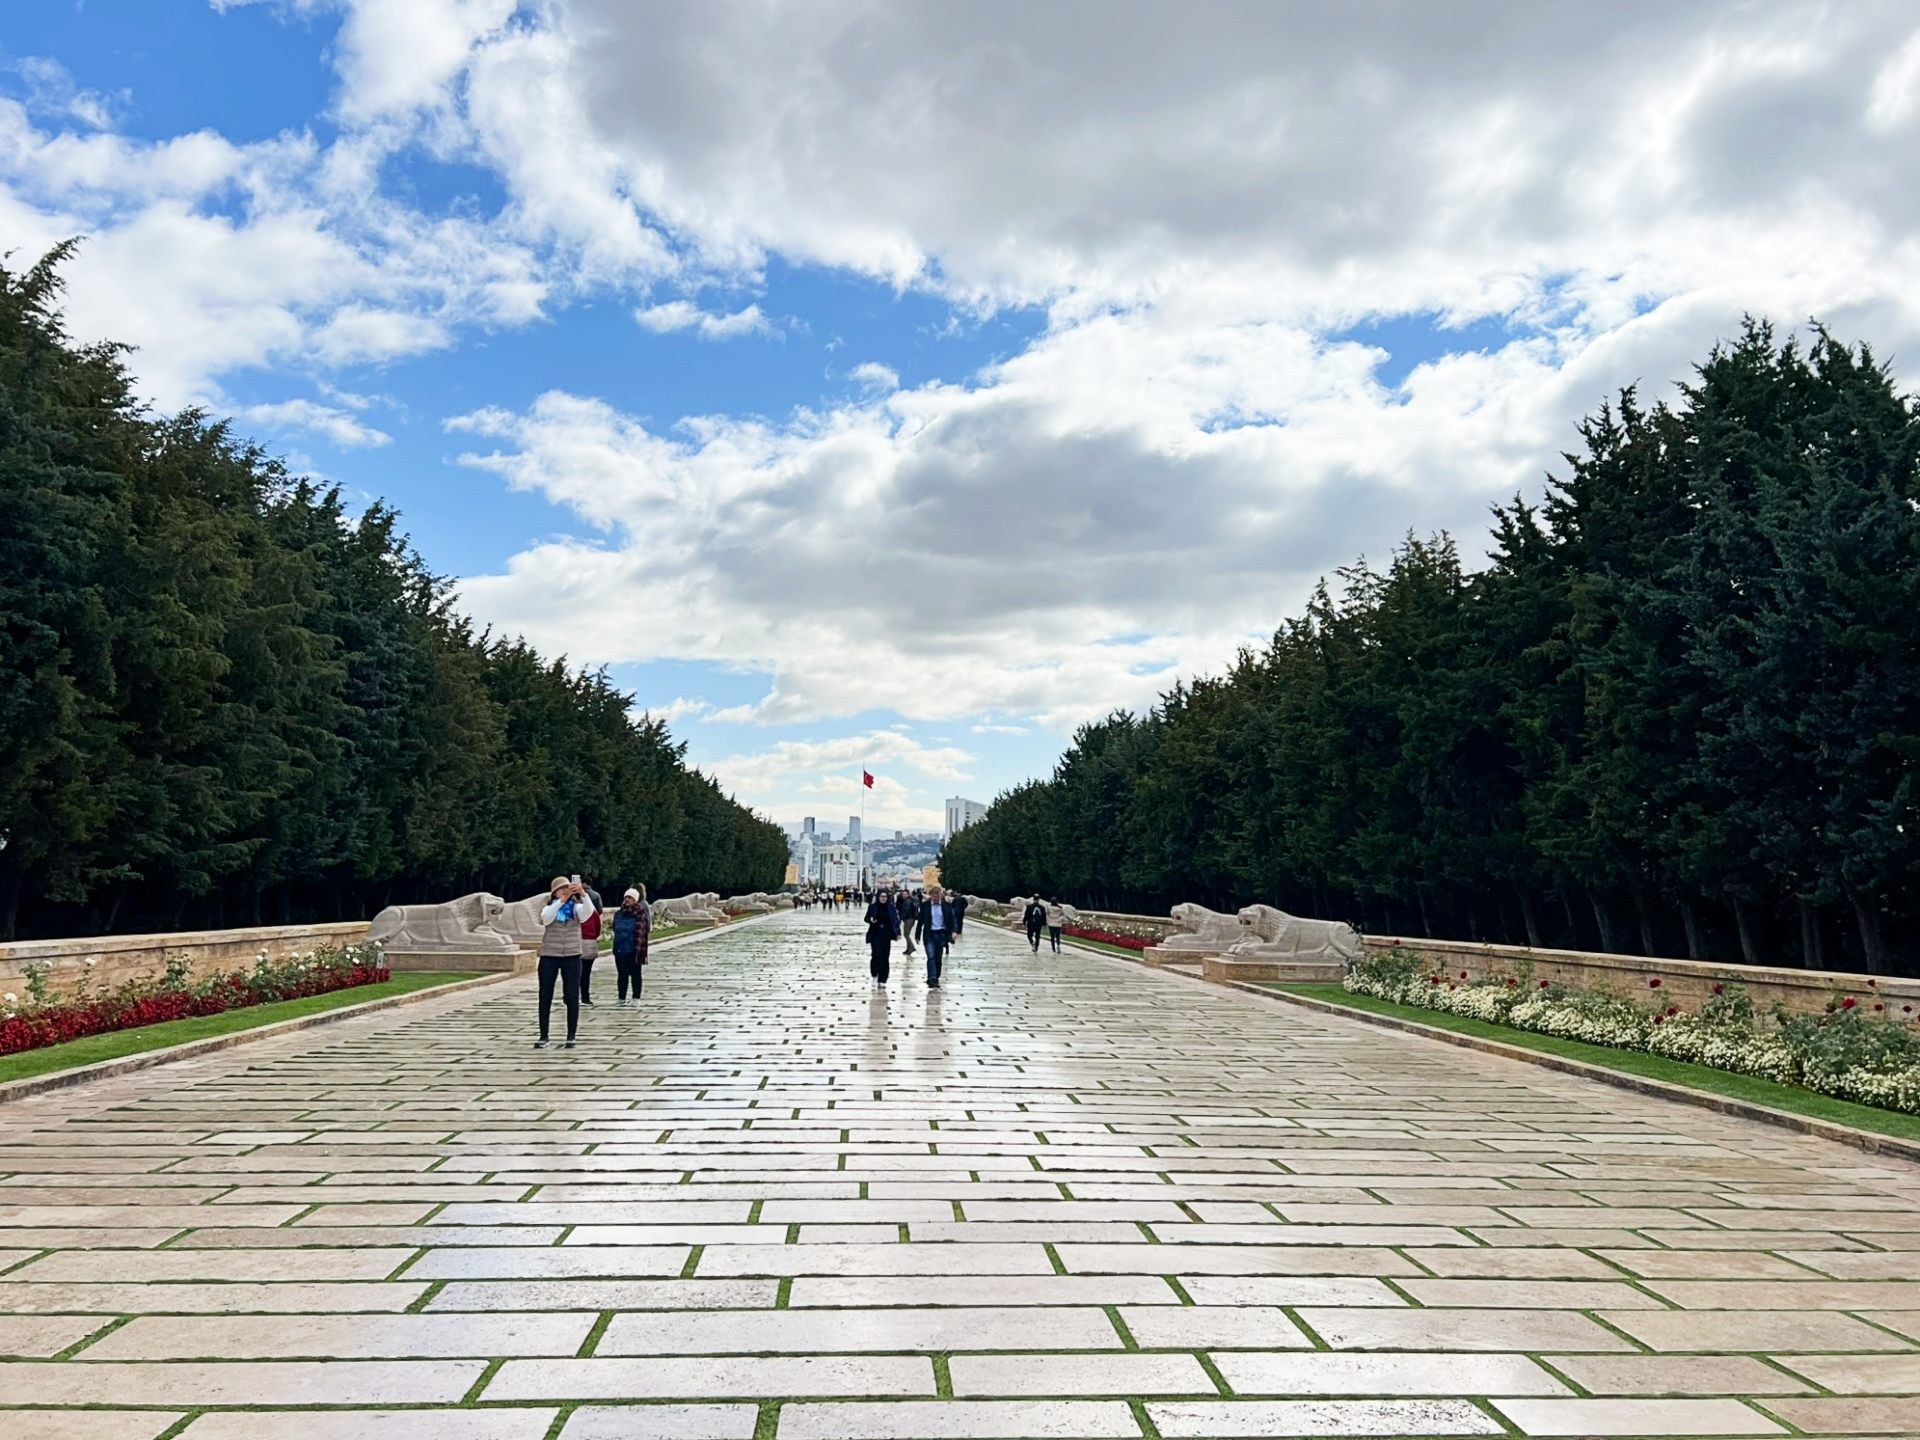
[761, 771]
[677, 709]
[336, 424]
[1201, 210]
[684, 315]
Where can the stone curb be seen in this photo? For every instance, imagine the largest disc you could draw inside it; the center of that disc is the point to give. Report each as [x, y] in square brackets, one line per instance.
[187, 1050]
[1867, 1140]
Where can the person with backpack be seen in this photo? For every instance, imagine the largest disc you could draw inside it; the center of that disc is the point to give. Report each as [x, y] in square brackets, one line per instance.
[589, 943]
[1035, 919]
[632, 925]
[560, 918]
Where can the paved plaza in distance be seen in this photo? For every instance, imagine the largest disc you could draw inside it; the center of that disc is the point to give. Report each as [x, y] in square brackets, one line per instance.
[1063, 1196]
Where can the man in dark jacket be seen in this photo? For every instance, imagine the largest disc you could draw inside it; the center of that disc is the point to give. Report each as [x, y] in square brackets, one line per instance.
[935, 927]
[959, 913]
[909, 908]
[1034, 917]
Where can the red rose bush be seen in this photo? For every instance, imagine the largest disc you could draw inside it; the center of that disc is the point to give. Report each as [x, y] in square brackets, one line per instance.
[45, 1020]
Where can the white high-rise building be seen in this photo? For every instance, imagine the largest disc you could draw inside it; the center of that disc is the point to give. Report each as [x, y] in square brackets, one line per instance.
[853, 831]
[961, 813]
[839, 867]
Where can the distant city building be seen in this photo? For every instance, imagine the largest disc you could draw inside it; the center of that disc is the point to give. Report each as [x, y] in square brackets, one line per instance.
[853, 831]
[806, 826]
[793, 874]
[899, 834]
[961, 813]
[839, 867]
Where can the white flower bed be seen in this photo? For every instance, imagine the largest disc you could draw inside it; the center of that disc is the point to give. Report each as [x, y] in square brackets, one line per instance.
[1848, 1053]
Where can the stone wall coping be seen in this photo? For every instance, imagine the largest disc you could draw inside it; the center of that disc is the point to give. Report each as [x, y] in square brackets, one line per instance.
[1654, 965]
[104, 945]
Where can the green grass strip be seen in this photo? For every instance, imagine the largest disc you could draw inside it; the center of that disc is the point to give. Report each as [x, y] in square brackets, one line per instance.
[92, 1049]
[1633, 1062]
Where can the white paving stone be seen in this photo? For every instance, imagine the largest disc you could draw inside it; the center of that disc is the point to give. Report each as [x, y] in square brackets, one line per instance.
[770, 1186]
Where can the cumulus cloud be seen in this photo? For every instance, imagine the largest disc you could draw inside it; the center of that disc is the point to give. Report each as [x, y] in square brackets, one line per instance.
[1207, 214]
[336, 424]
[685, 315]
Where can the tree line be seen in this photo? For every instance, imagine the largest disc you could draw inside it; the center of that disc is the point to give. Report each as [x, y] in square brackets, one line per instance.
[226, 701]
[1678, 711]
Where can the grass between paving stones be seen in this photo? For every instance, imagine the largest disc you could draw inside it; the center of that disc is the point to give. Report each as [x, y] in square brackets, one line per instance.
[1633, 1062]
[92, 1049]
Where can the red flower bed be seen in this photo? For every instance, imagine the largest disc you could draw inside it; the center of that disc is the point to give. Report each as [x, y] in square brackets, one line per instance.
[1107, 937]
[148, 1003]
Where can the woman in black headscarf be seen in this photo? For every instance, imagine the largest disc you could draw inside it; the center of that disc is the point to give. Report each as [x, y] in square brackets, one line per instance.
[883, 928]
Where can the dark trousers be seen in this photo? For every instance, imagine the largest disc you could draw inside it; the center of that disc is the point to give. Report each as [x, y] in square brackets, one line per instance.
[586, 975]
[627, 969]
[882, 963]
[1033, 938]
[565, 969]
[936, 942]
[1053, 934]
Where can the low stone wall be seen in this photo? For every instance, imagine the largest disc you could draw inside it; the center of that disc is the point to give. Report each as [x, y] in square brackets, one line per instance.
[1687, 982]
[118, 958]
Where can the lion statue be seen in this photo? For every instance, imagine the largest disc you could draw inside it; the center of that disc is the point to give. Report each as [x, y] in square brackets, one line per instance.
[465, 925]
[698, 908]
[1203, 931]
[1270, 934]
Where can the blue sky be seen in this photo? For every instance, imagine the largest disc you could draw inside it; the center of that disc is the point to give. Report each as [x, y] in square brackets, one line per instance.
[858, 405]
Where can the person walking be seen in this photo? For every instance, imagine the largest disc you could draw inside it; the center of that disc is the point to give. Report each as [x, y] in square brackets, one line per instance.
[959, 914]
[883, 928]
[909, 909]
[936, 932]
[560, 953]
[1056, 918]
[1034, 917]
[589, 944]
[632, 924]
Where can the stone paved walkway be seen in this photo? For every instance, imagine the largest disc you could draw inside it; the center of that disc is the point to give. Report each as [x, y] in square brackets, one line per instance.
[1062, 1197]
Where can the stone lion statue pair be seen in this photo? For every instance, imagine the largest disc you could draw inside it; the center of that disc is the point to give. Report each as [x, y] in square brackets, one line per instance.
[1260, 932]
[469, 925]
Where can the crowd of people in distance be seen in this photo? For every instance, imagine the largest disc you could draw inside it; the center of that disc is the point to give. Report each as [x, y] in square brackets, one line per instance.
[571, 923]
[570, 943]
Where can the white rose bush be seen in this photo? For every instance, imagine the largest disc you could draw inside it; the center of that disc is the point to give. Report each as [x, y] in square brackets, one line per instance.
[1854, 1050]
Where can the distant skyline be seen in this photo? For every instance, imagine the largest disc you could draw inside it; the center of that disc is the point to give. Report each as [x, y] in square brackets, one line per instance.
[897, 387]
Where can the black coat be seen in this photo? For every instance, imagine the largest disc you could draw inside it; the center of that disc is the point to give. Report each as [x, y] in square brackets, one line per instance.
[1035, 916]
[883, 921]
[949, 920]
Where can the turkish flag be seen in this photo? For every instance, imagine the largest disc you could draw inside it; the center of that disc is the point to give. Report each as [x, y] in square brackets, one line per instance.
[866, 779]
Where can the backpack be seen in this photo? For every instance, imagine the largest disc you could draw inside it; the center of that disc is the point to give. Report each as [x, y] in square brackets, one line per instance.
[590, 927]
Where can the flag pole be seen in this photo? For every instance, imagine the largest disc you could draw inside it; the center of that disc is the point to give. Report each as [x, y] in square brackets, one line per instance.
[863, 830]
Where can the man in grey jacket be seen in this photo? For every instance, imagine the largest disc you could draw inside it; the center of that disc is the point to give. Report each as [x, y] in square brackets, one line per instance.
[566, 907]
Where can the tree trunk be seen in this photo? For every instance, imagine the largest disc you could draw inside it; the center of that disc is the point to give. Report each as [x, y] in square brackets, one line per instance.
[1645, 915]
[1743, 921]
[1473, 922]
[1573, 925]
[1870, 944]
[1527, 916]
[1426, 925]
[1696, 947]
[1811, 957]
[1603, 917]
[10, 892]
